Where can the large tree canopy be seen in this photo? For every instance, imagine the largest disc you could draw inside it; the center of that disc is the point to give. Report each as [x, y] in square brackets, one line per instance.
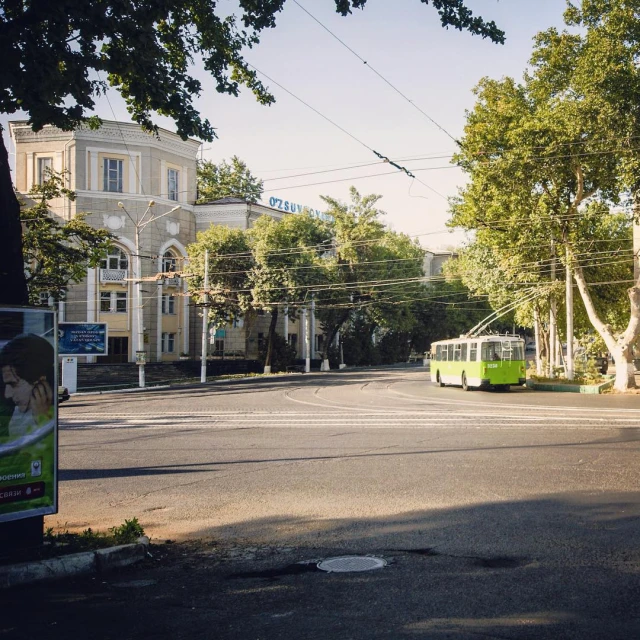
[547, 158]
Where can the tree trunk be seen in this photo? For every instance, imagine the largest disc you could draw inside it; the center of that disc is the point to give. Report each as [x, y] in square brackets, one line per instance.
[272, 333]
[332, 334]
[13, 286]
[620, 347]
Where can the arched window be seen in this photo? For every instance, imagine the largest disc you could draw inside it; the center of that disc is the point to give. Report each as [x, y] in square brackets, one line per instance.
[116, 259]
[169, 262]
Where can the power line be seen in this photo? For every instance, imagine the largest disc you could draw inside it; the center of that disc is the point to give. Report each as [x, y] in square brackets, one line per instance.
[346, 46]
[306, 104]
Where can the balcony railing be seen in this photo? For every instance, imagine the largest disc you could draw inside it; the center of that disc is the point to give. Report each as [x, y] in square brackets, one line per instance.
[114, 276]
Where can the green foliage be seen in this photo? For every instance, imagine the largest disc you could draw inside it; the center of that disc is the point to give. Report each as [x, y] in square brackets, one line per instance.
[282, 354]
[127, 532]
[56, 59]
[88, 539]
[394, 346]
[358, 347]
[373, 270]
[546, 160]
[288, 265]
[230, 261]
[227, 181]
[56, 252]
[287, 259]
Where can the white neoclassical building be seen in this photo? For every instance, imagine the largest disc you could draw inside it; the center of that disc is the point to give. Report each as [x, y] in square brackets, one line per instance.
[142, 188]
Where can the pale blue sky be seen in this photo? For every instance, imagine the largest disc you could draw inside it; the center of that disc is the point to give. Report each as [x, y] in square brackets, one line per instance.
[403, 41]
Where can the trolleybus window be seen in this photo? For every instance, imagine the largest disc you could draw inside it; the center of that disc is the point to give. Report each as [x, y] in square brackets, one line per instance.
[456, 352]
[464, 352]
[439, 352]
[450, 352]
[491, 351]
[473, 351]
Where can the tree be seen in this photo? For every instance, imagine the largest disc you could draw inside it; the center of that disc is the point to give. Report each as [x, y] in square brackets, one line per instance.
[373, 270]
[227, 181]
[57, 253]
[57, 57]
[288, 267]
[229, 263]
[543, 154]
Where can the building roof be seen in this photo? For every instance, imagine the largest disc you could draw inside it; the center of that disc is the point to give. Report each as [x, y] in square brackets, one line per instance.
[227, 200]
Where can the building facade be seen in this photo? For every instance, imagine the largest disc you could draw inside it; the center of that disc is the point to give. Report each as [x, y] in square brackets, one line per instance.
[142, 188]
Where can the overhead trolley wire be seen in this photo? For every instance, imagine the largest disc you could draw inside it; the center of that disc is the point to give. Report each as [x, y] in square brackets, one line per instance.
[346, 46]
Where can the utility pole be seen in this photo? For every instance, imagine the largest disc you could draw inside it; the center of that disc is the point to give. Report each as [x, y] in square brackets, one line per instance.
[139, 225]
[552, 315]
[569, 303]
[307, 341]
[205, 319]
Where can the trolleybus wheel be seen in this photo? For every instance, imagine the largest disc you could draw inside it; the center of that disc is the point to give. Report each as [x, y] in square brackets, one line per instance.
[439, 380]
[465, 386]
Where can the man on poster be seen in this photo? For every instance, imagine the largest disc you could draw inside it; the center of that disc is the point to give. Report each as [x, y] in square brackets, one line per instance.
[28, 376]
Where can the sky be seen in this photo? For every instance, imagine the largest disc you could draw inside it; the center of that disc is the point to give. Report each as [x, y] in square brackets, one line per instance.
[435, 68]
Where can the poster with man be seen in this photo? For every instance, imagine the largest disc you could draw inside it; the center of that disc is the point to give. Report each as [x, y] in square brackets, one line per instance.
[28, 413]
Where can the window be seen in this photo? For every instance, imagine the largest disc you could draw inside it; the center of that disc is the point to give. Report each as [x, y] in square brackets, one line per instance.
[113, 302]
[173, 180]
[260, 341]
[439, 352]
[168, 305]
[456, 352]
[169, 262]
[463, 357]
[491, 351]
[450, 352]
[293, 341]
[113, 172]
[121, 302]
[168, 342]
[218, 347]
[43, 299]
[105, 301]
[473, 351]
[45, 167]
[117, 259]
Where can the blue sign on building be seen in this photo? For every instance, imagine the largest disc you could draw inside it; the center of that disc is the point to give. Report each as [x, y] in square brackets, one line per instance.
[82, 339]
[293, 207]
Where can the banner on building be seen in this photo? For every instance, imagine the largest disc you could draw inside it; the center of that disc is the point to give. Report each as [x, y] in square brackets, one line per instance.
[28, 414]
[82, 338]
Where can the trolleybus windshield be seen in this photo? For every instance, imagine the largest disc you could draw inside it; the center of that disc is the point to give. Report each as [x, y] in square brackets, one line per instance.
[503, 350]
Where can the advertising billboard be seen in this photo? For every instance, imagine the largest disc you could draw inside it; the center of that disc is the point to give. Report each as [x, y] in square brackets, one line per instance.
[82, 339]
[28, 413]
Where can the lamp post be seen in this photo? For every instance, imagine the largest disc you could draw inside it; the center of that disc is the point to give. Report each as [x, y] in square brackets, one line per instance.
[139, 225]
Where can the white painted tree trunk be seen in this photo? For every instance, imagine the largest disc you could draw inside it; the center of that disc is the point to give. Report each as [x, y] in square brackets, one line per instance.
[619, 346]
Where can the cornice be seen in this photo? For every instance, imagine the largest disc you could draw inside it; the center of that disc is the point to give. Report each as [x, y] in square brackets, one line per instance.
[110, 132]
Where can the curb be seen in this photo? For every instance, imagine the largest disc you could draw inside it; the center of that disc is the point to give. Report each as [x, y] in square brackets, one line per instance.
[74, 564]
[570, 388]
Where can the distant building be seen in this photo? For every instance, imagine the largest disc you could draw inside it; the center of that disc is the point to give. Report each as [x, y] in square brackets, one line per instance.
[116, 171]
[434, 262]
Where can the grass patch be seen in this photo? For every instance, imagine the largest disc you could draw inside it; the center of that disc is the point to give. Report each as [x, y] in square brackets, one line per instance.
[65, 543]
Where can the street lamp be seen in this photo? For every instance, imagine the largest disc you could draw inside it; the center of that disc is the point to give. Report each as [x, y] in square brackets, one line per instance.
[139, 225]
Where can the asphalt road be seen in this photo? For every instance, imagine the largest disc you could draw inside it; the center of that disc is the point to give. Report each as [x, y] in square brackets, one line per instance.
[501, 515]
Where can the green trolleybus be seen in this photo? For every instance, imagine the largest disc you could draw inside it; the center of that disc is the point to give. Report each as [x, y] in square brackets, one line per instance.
[485, 362]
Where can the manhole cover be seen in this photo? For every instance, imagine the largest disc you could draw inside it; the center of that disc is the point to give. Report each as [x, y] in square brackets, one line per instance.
[348, 564]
